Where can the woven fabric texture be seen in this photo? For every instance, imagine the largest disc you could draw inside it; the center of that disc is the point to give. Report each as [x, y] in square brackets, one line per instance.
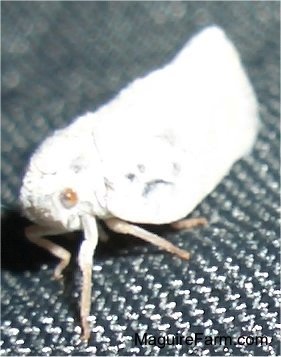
[61, 59]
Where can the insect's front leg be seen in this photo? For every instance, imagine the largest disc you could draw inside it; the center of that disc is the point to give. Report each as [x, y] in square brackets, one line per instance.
[119, 226]
[85, 260]
[35, 235]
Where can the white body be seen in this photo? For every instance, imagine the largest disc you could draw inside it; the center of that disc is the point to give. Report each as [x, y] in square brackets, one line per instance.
[157, 149]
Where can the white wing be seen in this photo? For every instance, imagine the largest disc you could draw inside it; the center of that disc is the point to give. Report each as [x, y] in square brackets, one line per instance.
[169, 138]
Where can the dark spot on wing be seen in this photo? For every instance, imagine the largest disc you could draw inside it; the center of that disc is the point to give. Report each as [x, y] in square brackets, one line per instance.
[152, 185]
[176, 168]
[141, 168]
[131, 176]
[75, 166]
[108, 184]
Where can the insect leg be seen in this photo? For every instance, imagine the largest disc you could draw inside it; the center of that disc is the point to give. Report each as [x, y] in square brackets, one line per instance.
[119, 226]
[189, 223]
[103, 236]
[35, 233]
[85, 260]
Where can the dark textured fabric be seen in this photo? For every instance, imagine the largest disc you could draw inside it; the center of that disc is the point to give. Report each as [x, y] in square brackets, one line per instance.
[60, 59]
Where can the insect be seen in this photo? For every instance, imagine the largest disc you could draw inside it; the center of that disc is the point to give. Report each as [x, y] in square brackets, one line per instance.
[150, 155]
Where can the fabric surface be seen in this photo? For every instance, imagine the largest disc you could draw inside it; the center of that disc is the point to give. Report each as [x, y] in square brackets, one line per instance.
[60, 59]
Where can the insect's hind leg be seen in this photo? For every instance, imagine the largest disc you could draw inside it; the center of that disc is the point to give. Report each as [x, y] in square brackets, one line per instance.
[119, 226]
[35, 233]
[189, 223]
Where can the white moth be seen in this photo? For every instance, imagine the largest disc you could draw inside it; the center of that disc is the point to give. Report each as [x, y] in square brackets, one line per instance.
[148, 156]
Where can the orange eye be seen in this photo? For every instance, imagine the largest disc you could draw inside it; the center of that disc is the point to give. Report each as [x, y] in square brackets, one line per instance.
[68, 198]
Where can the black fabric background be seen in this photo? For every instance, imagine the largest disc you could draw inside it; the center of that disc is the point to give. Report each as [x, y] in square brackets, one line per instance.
[60, 59]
